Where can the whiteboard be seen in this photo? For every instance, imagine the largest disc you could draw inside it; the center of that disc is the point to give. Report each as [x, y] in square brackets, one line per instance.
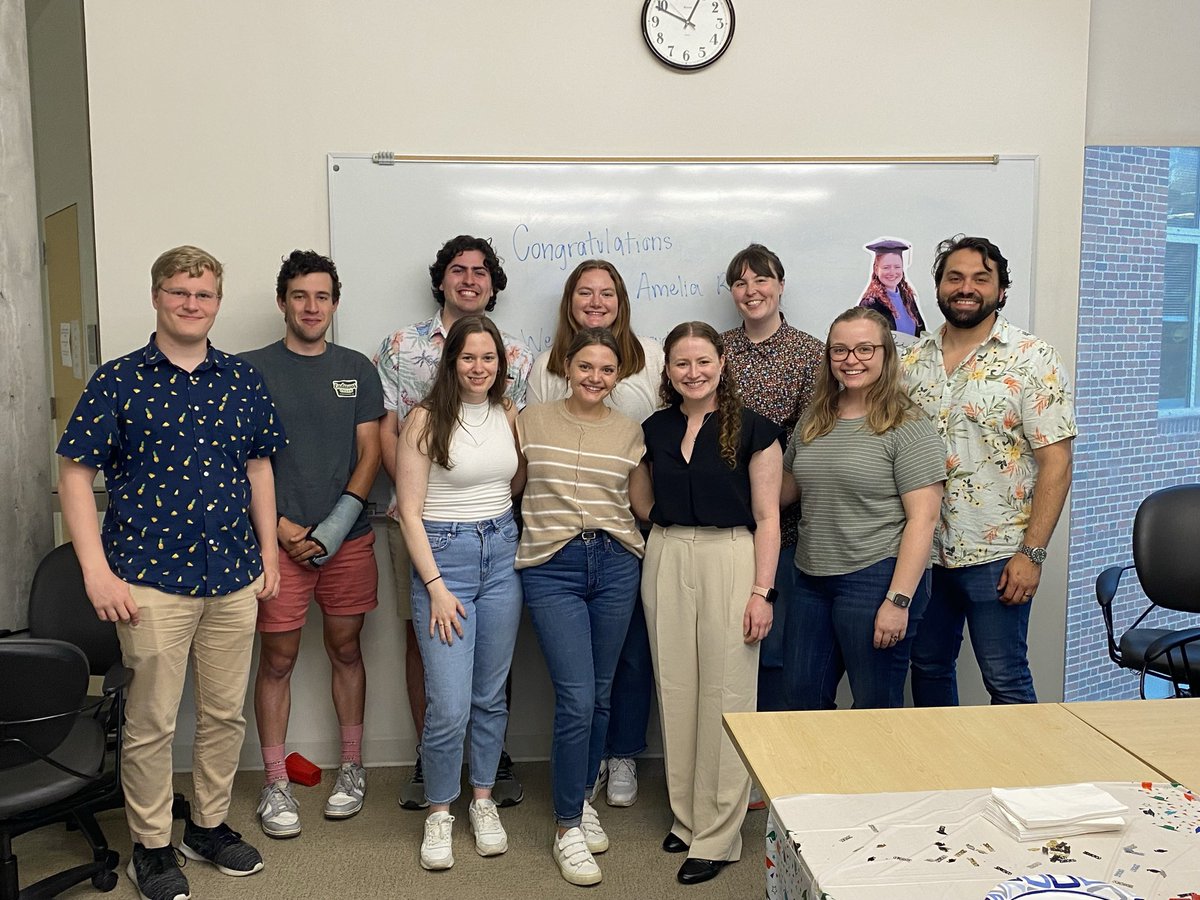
[669, 227]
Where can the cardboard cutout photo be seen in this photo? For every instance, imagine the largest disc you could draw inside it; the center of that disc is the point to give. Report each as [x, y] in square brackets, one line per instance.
[888, 291]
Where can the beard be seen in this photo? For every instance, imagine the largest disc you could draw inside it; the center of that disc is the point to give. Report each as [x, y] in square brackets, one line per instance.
[966, 318]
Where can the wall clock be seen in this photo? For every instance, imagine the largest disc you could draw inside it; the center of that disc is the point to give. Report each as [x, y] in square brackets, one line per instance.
[687, 34]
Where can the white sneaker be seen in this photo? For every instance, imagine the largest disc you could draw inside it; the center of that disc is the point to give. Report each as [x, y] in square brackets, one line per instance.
[490, 839]
[593, 831]
[436, 849]
[756, 801]
[278, 811]
[574, 859]
[622, 782]
[601, 781]
[346, 798]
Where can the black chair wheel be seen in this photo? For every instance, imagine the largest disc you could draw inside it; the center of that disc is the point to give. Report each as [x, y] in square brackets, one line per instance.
[104, 881]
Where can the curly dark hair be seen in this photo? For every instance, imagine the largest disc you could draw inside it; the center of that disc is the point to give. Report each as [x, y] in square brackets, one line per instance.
[729, 398]
[306, 262]
[462, 244]
[988, 252]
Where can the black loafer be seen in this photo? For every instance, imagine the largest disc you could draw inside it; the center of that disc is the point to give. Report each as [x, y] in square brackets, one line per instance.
[673, 843]
[695, 870]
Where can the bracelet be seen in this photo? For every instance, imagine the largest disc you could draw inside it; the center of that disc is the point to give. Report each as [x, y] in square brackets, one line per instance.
[432, 580]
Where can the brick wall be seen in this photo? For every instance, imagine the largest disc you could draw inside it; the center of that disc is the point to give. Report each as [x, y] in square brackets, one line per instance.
[1123, 451]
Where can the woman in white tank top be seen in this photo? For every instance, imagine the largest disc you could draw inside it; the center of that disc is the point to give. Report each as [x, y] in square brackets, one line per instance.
[458, 468]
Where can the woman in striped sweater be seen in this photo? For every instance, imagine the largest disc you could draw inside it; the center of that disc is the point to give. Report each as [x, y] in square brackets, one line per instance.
[578, 559]
[868, 467]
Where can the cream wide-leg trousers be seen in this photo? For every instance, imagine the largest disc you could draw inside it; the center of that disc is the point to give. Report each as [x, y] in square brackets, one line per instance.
[695, 585]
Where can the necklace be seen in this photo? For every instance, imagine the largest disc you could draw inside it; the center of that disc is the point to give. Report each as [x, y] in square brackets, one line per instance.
[703, 422]
[487, 411]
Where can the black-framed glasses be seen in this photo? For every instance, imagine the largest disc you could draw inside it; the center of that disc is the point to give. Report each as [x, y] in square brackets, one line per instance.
[861, 351]
[181, 295]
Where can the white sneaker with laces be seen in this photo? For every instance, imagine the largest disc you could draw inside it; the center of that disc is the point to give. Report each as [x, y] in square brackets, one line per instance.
[437, 851]
[575, 861]
[278, 811]
[593, 831]
[622, 781]
[346, 798]
[490, 837]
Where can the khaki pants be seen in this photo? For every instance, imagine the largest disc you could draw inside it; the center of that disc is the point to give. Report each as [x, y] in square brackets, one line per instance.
[695, 585]
[217, 634]
[401, 570]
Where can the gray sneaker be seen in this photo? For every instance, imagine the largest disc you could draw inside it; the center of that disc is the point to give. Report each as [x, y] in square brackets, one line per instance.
[221, 846]
[412, 795]
[156, 874]
[278, 811]
[507, 790]
[346, 799]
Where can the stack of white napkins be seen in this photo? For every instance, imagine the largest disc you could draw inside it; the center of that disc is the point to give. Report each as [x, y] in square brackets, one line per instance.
[1029, 814]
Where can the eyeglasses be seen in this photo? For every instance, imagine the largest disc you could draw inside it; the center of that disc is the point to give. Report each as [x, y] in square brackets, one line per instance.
[181, 295]
[863, 351]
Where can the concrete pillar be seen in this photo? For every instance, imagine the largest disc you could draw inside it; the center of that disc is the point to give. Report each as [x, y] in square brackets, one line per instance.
[26, 523]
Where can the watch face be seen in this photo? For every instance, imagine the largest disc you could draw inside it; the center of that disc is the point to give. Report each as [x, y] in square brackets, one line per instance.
[688, 34]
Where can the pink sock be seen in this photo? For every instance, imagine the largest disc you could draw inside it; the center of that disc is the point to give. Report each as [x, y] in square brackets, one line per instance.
[352, 743]
[273, 760]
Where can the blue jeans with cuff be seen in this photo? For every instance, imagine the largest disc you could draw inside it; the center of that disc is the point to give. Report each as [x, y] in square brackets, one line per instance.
[464, 681]
[831, 632]
[968, 595]
[580, 601]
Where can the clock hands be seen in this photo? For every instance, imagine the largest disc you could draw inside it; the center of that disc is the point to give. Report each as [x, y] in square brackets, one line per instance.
[665, 8]
[688, 23]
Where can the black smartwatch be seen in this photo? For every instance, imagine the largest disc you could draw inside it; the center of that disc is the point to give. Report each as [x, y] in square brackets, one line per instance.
[901, 600]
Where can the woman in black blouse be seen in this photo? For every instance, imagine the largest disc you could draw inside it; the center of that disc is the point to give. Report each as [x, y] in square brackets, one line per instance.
[710, 484]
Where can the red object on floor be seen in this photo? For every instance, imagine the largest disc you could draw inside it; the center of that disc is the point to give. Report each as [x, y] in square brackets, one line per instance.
[301, 771]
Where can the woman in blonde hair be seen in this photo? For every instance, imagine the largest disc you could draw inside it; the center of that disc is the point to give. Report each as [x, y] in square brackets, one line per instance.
[595, 296]
[710, 484]
[868, 467]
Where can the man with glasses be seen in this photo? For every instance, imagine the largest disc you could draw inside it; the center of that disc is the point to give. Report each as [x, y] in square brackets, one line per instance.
[184, 435]
[1001, 399]
[330, 402]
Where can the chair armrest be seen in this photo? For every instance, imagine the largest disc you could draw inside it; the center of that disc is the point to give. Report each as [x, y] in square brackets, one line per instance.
[116, 679]
[1107, 583]
[1173, 641]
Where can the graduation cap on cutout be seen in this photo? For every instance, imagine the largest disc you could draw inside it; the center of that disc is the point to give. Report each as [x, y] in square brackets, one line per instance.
[889, 245]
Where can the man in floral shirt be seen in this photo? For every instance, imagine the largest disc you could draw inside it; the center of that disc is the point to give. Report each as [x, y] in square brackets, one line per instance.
[466, 277]
[1001, 399]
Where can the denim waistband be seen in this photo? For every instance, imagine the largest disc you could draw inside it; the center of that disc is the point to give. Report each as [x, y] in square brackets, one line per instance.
[482, 526]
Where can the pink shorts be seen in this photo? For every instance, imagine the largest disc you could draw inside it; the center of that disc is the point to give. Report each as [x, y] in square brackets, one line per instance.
[344, 586]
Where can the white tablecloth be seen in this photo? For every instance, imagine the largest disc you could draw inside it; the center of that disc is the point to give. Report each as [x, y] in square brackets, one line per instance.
[938, 846]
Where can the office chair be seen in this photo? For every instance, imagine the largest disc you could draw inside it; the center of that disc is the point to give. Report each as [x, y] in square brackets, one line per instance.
[59, 609]
[1166, 555]
[52, 757]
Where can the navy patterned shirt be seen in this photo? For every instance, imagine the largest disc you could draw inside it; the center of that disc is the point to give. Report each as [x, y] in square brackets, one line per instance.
[173, 447]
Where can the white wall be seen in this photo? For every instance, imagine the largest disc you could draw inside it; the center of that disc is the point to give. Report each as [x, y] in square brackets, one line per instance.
[1141, 78]
[210, 124]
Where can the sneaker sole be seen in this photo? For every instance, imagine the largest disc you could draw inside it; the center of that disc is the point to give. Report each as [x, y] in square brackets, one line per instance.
[132, 873]
[505, 799]
[343, 813]
[437, 865]
[236, 873]
[597, 848]
[410, 803]
[621, 801]
[279, 832]
[577, 879]
[495, 850]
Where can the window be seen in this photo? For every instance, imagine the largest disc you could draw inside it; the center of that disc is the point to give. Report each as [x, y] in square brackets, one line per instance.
[1179, 372]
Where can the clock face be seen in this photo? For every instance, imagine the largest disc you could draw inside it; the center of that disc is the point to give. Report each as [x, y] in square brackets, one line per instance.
[688, 34]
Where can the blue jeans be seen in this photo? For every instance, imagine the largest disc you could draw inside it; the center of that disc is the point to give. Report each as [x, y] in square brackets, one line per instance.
[464, 681]
[772, 680]
[632, 690]
[831, 630]
[998, 634]
[580, 601]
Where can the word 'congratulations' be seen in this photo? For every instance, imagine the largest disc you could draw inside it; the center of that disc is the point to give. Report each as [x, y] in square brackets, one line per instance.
[587, 247]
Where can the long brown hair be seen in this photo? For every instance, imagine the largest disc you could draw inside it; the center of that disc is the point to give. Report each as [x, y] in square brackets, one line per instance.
[729, 398]
[444, 401]
[888, 404]
[632, 356]
[875, 291]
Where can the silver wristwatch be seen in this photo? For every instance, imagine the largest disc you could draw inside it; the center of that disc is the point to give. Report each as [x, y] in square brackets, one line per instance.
[1036, 554]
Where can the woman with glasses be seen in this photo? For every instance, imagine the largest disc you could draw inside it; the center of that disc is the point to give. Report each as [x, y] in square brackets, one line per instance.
[457, 460]
[867, 466]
